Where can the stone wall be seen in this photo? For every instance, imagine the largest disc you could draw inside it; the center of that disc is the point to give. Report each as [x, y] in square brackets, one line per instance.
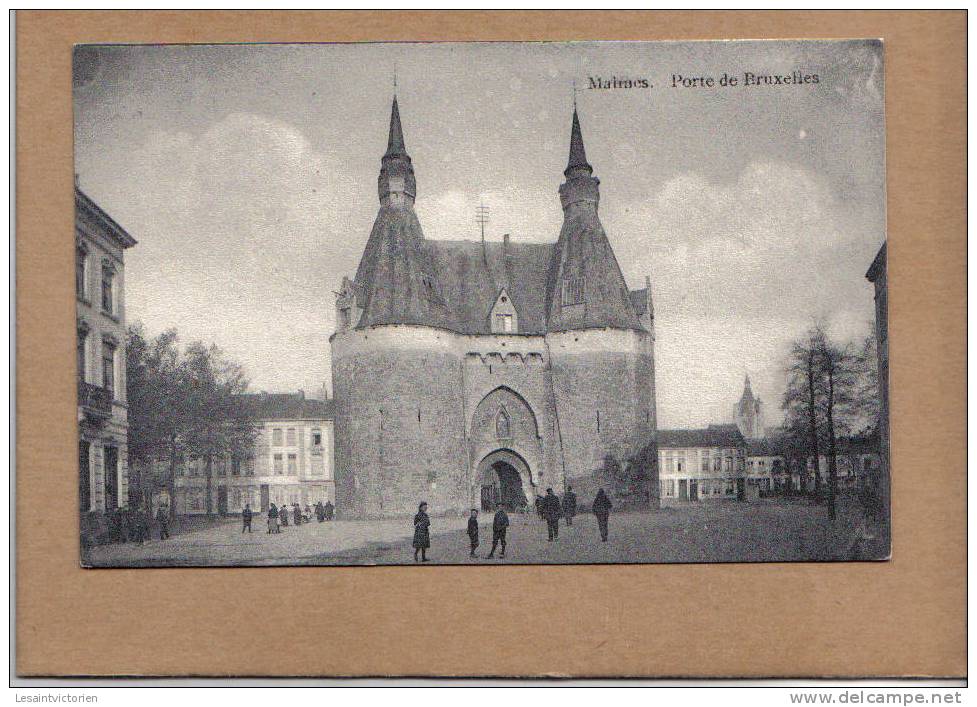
[399, 426]
[603, 382]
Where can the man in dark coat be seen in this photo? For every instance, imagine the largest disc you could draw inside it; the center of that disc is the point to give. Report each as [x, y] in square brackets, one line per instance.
[329, 508]
[602, 508]
[283, 516]
[569, 505]
[296, 514]
[246, 516]
[499, 526]
[551, 512]
[422, 532]
[163, 518]
[473, 531]
[320, 512]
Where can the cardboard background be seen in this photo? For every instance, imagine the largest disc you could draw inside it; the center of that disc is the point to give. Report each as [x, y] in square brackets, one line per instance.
[903, 617]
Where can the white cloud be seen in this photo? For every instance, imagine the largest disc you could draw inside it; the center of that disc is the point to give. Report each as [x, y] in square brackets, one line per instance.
[234, 246]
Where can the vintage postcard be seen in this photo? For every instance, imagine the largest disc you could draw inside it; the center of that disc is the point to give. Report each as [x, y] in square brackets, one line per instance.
[481, 303]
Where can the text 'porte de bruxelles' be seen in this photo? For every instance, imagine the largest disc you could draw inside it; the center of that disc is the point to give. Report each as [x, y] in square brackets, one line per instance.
[726, 80]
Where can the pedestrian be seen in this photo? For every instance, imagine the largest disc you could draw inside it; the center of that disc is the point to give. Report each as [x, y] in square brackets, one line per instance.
[320, 511]
[307, 514]
[539, 506]
[422, 532]
[163, 518]
[144, 521]
[297, 514]
[273, 519]
[500, 524]
[550, 507]
[246, 518]
[330, 509]
[473, 531]
[602, 508]
[569, 505]
[283, 516]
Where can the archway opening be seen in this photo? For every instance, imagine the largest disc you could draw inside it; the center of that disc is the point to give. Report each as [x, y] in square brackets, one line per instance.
[502, 483]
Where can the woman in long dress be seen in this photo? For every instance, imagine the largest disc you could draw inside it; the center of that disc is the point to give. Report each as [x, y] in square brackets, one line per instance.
[422, 532]
[273, 519]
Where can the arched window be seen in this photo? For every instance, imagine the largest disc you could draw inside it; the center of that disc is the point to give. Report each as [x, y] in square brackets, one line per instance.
[502, 430]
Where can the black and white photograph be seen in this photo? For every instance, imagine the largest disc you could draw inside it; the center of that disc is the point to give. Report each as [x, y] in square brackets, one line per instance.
[481, 304]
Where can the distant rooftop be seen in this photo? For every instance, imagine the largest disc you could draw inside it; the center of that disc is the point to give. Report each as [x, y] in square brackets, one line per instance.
[288, 406]
[712, 436]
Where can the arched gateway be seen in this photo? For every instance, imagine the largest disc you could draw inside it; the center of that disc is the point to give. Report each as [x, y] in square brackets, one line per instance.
[504, 477]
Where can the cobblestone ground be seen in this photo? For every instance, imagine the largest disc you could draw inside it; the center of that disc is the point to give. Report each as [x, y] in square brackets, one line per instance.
[764, 531]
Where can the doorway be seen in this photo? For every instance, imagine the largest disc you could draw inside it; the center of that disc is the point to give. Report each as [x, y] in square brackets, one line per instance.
[265, 498]
[511, 494]
[222, 501]
[693, 490]
[504, 478]
[84, 477]
[111, 467]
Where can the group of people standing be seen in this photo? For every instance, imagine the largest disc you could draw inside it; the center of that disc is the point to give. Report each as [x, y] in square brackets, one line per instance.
[278, 515]
[134, 524]
[550, 508]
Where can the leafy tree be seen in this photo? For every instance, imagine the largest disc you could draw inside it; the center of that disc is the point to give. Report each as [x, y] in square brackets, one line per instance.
[215, 423]
[183, 404]
[155, 393]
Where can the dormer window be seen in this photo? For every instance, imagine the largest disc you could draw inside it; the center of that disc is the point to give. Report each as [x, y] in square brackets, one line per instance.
[503, 318]
[572, 292]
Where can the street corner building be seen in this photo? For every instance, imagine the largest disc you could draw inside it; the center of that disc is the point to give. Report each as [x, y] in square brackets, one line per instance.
[468, 373]
[100, 245]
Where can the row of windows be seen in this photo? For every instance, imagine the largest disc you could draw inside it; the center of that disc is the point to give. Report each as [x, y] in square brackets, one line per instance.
[704, 487]
[288, 435]
[108, 368]
[220, 466]
[715, 461]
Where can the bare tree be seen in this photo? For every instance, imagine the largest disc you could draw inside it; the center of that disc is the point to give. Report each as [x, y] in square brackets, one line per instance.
[800, 400]
[839, 382]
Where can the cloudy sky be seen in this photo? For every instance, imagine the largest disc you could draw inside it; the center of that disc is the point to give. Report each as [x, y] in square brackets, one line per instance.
[248, 176]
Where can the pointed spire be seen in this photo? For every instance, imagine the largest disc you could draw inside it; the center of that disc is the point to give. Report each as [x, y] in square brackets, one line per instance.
[395, 140]
[578, 155]
[746, 383]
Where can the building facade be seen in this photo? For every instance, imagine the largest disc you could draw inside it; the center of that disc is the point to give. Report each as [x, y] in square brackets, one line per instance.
[100, 245]
[702, 465]
[291, 462]
[466, 373]
[877, 276]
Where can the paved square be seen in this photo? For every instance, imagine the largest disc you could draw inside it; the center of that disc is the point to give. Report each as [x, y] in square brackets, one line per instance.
[763, 531]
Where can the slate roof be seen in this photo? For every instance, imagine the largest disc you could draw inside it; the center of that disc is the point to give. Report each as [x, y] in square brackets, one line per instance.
[288, 406]
[404, 278]
[712, 436]
[639, 300]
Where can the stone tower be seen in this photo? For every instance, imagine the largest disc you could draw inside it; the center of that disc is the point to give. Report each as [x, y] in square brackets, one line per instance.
[470, 373]
[748, 413]
[601, 356]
